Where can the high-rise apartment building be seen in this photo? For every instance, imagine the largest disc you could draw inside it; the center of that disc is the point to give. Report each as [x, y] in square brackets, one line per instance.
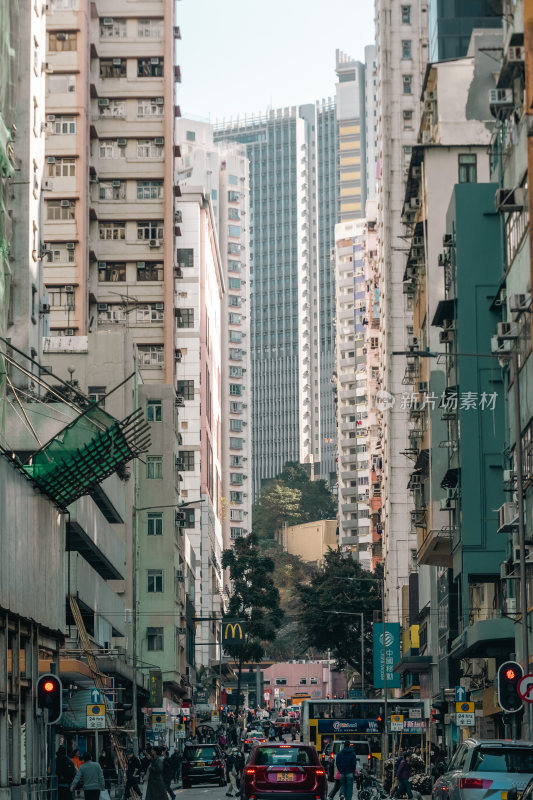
[451, 24]
[401, 55]
[297, 166]
[222, 172]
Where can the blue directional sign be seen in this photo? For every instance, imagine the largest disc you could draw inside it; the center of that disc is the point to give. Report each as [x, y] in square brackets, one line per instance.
[96, 697]
[460, 694]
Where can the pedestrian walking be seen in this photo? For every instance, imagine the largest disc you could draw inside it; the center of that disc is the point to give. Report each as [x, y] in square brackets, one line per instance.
[346, 763]
[66, 772]
[168, 774]
[91, 777]
[108, 768]
[294, 731]
[156, 789]
[402, 773]
[176, 764]
[336, 786]
[133, 775]
[76, 758]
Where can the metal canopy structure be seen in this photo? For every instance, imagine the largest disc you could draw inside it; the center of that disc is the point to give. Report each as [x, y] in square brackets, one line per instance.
[86, 452]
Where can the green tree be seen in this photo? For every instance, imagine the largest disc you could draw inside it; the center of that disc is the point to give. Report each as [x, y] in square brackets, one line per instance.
[317, 501]
[330, 604]
[278, 504]
[254, 599]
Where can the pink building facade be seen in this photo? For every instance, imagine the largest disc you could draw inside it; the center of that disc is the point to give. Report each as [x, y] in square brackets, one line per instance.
[291, 681]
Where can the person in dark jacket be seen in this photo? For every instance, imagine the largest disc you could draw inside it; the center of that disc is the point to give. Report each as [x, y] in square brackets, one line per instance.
[66, 772]
[91, 777]
[176, 764]
[156, 789]
[108, 768]
[402, 773]
[346, 763]
[168, 774]
[133, 776]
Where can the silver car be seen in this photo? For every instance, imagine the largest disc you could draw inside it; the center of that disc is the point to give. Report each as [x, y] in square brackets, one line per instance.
[486, 769]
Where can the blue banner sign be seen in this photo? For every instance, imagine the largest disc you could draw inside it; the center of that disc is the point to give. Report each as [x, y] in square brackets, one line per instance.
[348, 726]
[386, 654]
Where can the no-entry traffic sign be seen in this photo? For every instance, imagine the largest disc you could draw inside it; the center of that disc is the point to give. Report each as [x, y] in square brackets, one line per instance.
[525, 688]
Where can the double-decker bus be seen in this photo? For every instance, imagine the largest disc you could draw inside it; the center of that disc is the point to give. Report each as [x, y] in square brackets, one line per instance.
[325, 720]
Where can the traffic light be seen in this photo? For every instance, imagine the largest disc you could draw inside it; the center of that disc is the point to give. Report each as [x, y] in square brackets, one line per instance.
[437, 712]
[50, 696]
[509, 675]
[381, 724]
[123, 713]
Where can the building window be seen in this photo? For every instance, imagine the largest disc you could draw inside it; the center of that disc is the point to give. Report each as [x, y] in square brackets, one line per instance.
[154, 639]
[60, 210]
[234, 248]
[150, 67]
[235, 372]
[234, 283]
[235, 408]
[281, 681]
[406, 48]
[154, 523]
[236, 533]
[154, 411]
[112, 313]
[234, 230]
[60, 84]
[314, 681]
[111, 273]
[303, 681]
[150, 28]
[149, 271]
[235, 353]
[236, 497]
[234, 266]
[190, 136]
[150, 312]
[154, 580]
[149, 190]
[111, 108]
[407, 84]
[185, 257]
[112, 68]
[150, 148]
[61, 167]
[235, 461]
[151, 355]
[112, 28]
[189, 520]
[97, 394]
[234, 301]
[233, 213]
[64, 125]
[235, 424]
[187, 460]
[150, 230]
[153, 107]
[234, 319]
[235, 443]
[61, 298]
[406, 15]
[58, 254]
[185, 317]
[154, 467]
[112, 230]
[108, 148]
[467, 168]
[236, 479]
[112, 190]
[235, 389]
[407, 119]
[186, 389]
[233, 196]
[235, 336]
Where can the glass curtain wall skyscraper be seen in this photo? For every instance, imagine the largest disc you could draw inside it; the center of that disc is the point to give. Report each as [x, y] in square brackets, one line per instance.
[451, 23]
[294, 205]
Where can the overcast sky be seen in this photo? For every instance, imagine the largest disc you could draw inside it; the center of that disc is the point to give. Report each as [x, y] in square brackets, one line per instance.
[243, 56]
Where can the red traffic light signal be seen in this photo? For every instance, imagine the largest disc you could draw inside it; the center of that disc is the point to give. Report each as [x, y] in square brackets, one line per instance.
[50, 697]
[509, 676]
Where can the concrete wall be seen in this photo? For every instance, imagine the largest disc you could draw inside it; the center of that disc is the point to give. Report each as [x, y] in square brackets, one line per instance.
[311, 540]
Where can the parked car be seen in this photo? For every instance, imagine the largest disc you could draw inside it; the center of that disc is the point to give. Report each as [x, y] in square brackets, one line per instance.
[486, 768]
[362, 749]
[276, 771]
[202, 763]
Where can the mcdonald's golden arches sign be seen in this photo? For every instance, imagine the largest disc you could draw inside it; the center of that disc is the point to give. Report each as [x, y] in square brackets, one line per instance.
[232, 631]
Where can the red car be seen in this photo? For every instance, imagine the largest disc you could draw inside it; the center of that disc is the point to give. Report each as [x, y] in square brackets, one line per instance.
[284, 771]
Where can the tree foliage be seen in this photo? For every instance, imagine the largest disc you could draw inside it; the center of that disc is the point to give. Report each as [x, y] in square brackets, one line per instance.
[254, 599]
[292, 498]
[330, 604]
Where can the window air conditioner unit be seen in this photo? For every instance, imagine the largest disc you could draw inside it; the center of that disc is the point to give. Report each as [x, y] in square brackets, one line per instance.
[50, 117]
[430, 96]
[101, 306]
[103, 101]
[177, 354]
[515, 54]
[180, 400]
[510, 199]
[65, 204]
[180, 515]
[93, 179]
[154, 60]
[155, 243]
[415, 482]
[102, 264]
[416, 172]
[107, 21]
[116, 184]
[178, 272]
[501, 98]
[141, 264]
[415, 202]
[447, 240]
[122, 142]
[503, 329]
[446, 337]
[159, 101]
[51, 160]
[444, 259]
[179, 463]
[117, 62]
[45, 308]
[418, 241]
[506, 570]
[70, 245]
[518, 302]
[159, 140]
[69, 331]
[447, 503]
[507, 517]
[69, 289]
[159, 306]
[179, 575]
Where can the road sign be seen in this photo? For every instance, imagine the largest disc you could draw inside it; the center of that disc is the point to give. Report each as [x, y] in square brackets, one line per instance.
[95, 713]
[159, 718]
[525, 688]
[396, 722]
[415, 713]
[96, 696]
[464, 708]
[464, 720]
[460, 694]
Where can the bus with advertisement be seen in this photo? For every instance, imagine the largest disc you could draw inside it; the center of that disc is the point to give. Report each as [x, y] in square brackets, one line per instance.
[323, 721]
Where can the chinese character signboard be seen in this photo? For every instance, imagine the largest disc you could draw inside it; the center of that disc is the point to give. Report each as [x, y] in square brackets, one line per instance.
[386, 654]
[156, 688]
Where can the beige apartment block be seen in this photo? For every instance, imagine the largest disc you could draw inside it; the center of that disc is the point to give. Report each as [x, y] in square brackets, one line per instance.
[310, 541]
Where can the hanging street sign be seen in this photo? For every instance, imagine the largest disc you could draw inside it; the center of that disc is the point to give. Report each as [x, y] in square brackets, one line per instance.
[464, 708]
[396, 722]
[460, 694]
[95, 713]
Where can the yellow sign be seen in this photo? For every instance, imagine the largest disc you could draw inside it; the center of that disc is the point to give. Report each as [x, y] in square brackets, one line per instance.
[96, 710]
[233, 632]
[159, 719]
[179, 726]
[396, 718]
[464, 708]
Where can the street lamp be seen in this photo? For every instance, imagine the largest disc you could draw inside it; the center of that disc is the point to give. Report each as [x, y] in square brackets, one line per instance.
[512, 357]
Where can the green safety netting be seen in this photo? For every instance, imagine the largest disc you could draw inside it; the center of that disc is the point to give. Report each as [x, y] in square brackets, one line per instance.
[86, 452]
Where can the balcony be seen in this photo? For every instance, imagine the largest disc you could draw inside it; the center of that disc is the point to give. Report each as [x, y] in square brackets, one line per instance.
[91, 535]
[435, 547]
[489, 638]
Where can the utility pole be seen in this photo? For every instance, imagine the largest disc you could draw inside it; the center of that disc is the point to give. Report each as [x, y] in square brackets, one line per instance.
[385, 745]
